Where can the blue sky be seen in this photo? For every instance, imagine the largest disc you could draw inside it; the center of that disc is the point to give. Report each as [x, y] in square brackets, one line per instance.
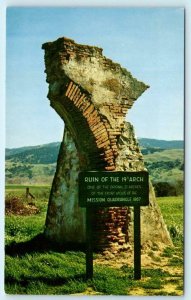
[149, 42]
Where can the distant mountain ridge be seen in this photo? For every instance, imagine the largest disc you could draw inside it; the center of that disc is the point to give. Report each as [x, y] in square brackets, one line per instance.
[48, 153]
[162, 144]
[14, 151]
[37, 164]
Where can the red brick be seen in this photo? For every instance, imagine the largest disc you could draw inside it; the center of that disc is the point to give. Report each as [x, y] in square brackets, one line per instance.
[88, 110]
[109, 160]
[104, 144]
[69, 87]
[97, 127]
[100, 131]
[101, 139]
[113, 140]
[83, 106]
[74, 92]
[93, 122]
[71, 90]
[110, 168]
[109, 151]
[80, 100]
[76, 96]
[92, 115]
[116, 132]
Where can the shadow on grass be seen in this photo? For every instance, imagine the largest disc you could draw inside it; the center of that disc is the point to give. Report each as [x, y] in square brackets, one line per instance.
[40, 244]
[48, 281]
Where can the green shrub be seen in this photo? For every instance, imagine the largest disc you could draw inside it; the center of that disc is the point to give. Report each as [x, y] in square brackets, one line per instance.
[168, 252]
[154, 283]
[176, 261]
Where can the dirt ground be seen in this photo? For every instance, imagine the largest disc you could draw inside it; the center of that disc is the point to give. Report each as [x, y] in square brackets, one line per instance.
[149, 260]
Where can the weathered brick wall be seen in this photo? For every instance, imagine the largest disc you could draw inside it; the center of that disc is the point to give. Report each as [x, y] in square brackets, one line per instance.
[92, 95]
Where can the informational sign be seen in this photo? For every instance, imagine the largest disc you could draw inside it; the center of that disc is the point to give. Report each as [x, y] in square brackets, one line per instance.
[105, 189]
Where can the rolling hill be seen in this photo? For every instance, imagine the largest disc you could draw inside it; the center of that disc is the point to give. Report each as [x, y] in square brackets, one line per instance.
[37, 164]
[41, 154]
[161, 144]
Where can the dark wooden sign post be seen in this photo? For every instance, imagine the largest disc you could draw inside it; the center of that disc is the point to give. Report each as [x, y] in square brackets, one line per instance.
[112, 189]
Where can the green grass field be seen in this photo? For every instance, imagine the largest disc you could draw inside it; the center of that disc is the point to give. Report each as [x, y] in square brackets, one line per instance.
[165, 155]
[166, 165]
[33, 267]
[172, 209]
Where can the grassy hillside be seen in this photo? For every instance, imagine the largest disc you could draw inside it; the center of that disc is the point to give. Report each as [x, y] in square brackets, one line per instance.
[43, 154]
[24, 173]
[166, 165]
[30, 165]
[153, 143]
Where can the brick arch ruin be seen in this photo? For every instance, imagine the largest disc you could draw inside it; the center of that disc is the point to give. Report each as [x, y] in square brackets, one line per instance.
[92, 94]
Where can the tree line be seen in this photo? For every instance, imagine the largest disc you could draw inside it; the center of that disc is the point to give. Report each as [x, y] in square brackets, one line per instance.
[164, 189]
